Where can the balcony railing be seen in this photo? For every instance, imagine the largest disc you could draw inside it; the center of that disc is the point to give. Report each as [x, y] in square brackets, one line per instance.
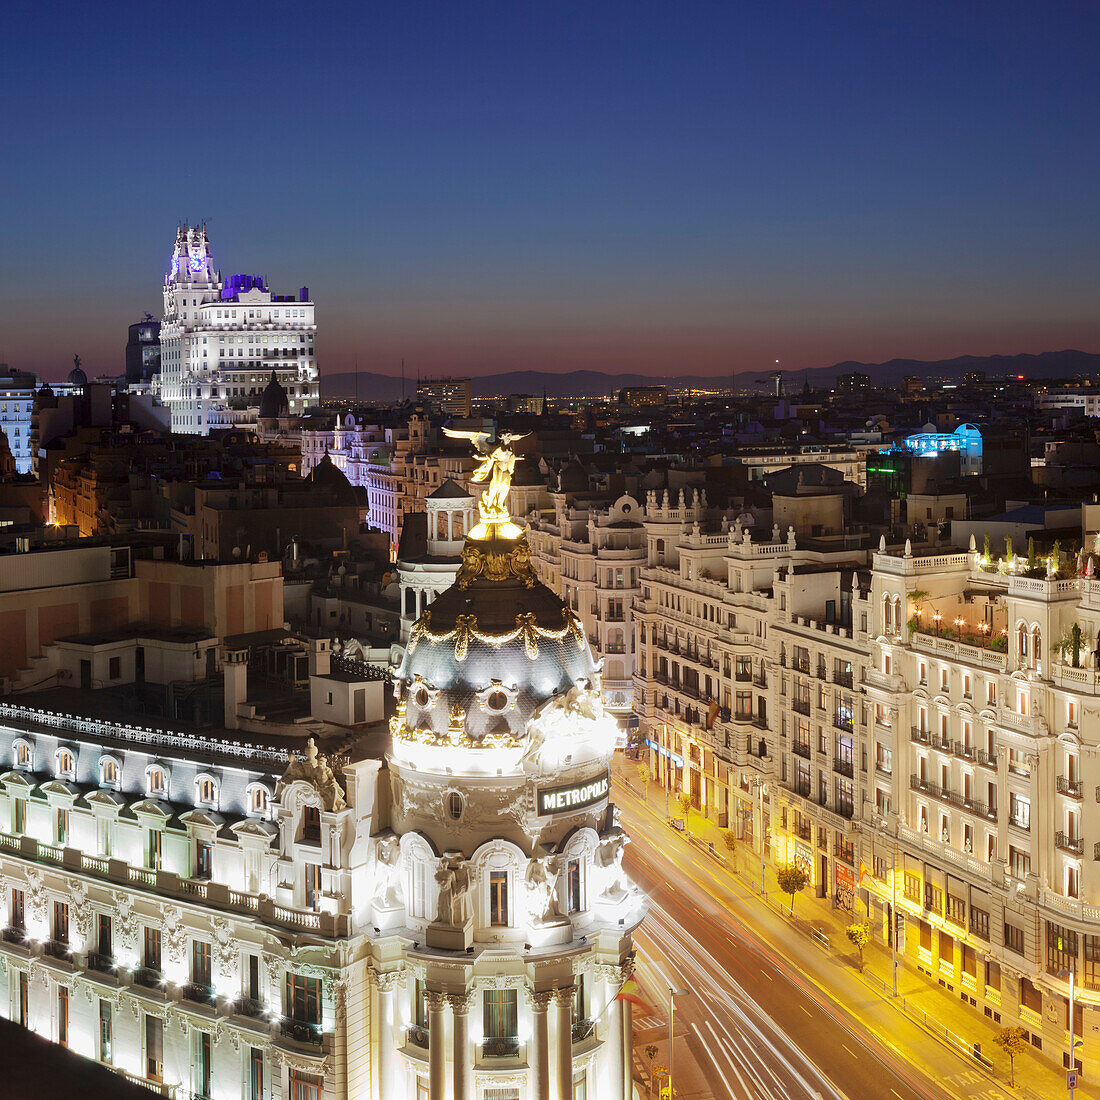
[103, 963]
[844, 679]
[58, 949]
[200, 994]
[965, 751]
[582, 1029]
[844, 722]
[801, 706]
[845, 809]
[14, 935]
[417, 1036]
[1072, 787]
[248, 1006]
[986, 759]
[301, 1032]
[805, 830]
[1069, 843]
[917, 734]
[800, 749]
[843, 767]
[801, 664]
[148, 976]
[500, 1046]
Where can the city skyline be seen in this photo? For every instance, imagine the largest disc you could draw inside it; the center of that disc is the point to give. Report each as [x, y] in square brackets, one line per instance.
[488, 190]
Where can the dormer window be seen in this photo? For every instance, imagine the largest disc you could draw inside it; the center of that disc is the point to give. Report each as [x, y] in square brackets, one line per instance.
[108, 772]
[257, 799]
[66, 764]
[207, 790]
[156, 782]
[311, 823]
[22, 754]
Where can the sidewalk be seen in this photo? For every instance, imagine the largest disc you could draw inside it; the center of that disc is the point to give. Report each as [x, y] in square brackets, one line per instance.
[921, 998]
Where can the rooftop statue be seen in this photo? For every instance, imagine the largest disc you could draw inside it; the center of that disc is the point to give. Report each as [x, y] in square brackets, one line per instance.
[498, 463]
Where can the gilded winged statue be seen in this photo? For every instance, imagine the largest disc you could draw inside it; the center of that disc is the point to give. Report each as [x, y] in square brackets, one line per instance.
[498, 462]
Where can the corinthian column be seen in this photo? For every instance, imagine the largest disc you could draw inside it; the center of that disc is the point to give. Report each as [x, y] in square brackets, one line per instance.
[387, 986]
[461, 1003]
[563, 1005]
[540, 1045]
[437, 1054]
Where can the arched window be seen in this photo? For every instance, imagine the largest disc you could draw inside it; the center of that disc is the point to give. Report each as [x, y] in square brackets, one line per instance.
[1036, 645]
[207, 789]
[108, 772]
[897, 614]
[887, 614]
[1021, 635]
[23, 754]
[66, 764]
[257, 799]
[156, 782]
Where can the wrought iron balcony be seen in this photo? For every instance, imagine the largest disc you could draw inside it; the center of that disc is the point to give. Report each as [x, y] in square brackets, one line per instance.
[148, 976]
[103, 963]
[843, 767]
[1072, 787]
[986, 759]
[500, 1046]
[582, 1029]
[248, 1006]
[1069, 843]
[200, 994]
[58, 949]
[301, 1031]
[801, 748]
[965, 751]
[417, 1037]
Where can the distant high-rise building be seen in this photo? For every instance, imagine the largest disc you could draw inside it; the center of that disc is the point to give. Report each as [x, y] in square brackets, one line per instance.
[220, 342]
[452, 396]
[640, 397]
[143, 350]
[17, 389]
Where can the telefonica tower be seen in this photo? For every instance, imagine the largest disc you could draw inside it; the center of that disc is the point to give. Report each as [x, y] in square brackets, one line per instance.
[221, 342]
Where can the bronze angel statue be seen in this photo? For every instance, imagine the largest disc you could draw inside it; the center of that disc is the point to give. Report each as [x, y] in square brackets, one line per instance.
[498, 462]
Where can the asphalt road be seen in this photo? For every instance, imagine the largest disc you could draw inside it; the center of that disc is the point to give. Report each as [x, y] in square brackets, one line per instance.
[757, 1024]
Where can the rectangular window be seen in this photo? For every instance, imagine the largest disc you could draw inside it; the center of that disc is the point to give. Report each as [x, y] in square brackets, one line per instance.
[62, 827]
[105, 1031]
[152, 853]
[1061, 949]
[933, 897]
[61, 921]
[956, 910]
[573, 885]
[103, 939]
[303, 999]
[498, 899]
[20, 824]
[154, 1048]
[313, 885]
[501, 1014]
[1030, 996]
[151, 959]
[203, 859]
[18, 910]
[255, 1073]
[23, 998]
[912, 887]
[979, 923]
[993, 975]
[203, 1059]
[1014, 939]
[254, 977]
[63, 1015]
[311, 823]
[305, 1086]
[580, 1084]
[200, 963]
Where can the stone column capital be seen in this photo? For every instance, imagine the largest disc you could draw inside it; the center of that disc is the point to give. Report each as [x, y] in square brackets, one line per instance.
[387, 980]
[461, 1003]
[564, 996]
[539, 1000]
[435, 999]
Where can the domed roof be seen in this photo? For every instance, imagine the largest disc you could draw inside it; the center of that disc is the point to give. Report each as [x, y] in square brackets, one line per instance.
[274, 402]
[497, 644]
[326, 475]
[77, 377]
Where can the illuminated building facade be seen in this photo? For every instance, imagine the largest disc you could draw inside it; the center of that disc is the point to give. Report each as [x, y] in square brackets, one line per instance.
[916, 728]
[221, 341]
[17, 390]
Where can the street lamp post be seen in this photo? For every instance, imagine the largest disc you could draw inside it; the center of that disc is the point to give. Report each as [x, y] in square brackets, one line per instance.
[894, 916]
[672, 995]
[668, 765]
[761, 787]
[1072, 975]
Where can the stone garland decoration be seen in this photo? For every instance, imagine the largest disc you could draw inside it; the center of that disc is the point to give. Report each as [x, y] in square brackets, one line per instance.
[465, 630]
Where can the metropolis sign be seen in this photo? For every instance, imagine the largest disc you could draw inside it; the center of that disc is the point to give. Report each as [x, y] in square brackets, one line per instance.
[574, 797]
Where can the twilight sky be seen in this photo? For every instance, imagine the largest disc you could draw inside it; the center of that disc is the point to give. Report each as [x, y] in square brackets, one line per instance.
[478, 187]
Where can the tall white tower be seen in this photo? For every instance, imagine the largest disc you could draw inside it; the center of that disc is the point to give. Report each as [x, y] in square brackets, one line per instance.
[502, 876]
[220, 341]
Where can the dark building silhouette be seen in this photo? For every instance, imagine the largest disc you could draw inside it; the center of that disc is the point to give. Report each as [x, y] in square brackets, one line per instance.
[143, 350]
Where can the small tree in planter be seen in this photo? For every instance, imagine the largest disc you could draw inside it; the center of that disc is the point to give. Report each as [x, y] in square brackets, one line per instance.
[683, 804]
[859, 936]
[792, 880]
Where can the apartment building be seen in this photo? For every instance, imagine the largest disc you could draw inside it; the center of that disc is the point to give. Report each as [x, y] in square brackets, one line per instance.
[917, 728]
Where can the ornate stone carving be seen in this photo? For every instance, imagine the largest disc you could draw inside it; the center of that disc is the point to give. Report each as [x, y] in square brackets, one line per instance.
[541, 884]
[565, 995]
[538, 1000]
[316, 770]
[435, 999]
[462, 1003]
[387, 981]
[608, 865]
[387, 879]
[453, 877]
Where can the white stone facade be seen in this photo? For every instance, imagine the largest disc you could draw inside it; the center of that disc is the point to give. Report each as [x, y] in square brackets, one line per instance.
[217, 353]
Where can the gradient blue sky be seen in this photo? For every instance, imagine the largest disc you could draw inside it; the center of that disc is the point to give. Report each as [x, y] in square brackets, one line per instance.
[671, 188]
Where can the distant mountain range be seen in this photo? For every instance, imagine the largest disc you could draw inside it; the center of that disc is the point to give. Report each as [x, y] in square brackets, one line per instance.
[591, 383]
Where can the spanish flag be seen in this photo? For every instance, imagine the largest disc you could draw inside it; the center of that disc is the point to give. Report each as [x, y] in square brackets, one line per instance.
[712, 714]
[863, 870]
[631, 992]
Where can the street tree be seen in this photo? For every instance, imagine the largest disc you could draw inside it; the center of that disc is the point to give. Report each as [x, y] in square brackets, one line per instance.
[683, 802]
[729, 842]
[1013, 1041]
[792, 880]
[643, 778]
[859, 936]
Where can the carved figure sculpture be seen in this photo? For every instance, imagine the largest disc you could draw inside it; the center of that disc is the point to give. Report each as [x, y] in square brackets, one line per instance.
[497, 466]
[608, 860]
[541, 883]
[386, 880]
[453, 877]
